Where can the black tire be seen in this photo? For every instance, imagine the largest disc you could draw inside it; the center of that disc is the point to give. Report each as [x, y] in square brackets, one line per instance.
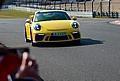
[25, 34]
[76, 42]
[33, 44]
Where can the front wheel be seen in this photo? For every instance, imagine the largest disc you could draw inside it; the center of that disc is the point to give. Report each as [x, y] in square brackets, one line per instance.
[76, 42]
[25, 35]
[33, 44]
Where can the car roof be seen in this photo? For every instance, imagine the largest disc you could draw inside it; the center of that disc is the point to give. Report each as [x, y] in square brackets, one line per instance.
[50, 11]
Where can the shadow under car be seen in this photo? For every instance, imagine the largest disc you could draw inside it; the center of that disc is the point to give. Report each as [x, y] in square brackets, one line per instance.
[82, 42]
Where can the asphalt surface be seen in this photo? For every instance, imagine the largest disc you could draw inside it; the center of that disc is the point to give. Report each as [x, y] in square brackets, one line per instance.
[96, 59]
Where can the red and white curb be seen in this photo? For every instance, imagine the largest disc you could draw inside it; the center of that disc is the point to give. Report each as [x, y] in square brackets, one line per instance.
[117, 22]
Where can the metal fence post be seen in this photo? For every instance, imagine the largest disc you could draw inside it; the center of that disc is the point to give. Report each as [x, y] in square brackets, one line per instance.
[60, 5]
[50, 5]
[85, 5]
[78, 6]
[101, 8]
[41, 4]
[71, 6]
[1, 3]
[19, 3]
[92, 6]
[28, 3]
[93, 13]
[45, 3]
[54, 4]
[38, 4]
[109, 8]
[33, 3]
[65, 5]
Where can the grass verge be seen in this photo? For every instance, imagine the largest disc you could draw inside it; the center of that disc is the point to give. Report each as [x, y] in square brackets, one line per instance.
[14, 14]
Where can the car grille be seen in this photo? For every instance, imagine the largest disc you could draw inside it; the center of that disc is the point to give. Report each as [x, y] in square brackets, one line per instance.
[39, 37]
[58, 38]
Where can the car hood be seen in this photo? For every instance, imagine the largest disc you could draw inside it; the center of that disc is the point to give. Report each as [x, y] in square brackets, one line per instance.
[56, 24]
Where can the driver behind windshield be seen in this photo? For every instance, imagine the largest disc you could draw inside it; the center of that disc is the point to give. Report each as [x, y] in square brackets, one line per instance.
[48, 16]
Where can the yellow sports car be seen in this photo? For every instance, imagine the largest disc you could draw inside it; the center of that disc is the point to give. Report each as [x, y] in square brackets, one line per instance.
[51, 26]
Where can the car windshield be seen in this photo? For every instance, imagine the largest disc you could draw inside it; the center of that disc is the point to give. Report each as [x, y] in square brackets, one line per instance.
[47, 16]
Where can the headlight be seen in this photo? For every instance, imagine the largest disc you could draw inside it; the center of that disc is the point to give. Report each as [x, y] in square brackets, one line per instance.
[37, 27]
[75, 25]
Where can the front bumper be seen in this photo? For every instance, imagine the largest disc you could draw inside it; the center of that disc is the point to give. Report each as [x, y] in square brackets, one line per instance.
[51, 38]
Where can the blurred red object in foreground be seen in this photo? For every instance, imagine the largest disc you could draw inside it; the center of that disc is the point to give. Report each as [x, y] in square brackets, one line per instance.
[17, 65]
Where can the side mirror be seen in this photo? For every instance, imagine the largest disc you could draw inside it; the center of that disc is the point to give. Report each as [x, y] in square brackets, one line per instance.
[31, 17]
[74, 18]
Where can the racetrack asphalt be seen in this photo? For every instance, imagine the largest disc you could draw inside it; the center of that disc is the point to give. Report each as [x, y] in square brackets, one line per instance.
[96, 59]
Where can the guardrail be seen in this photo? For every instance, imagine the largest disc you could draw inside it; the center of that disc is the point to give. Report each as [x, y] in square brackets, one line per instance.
[91, 8]
[71, 13]
[106, 14]
[100, 6]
